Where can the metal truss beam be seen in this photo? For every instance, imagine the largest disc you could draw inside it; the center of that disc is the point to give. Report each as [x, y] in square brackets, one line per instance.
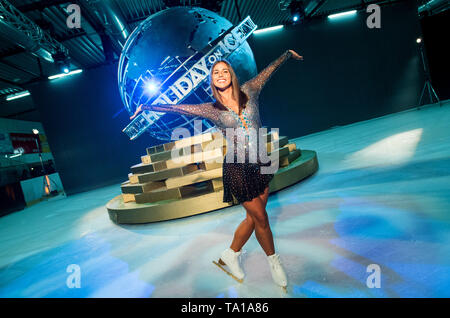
[27, 33]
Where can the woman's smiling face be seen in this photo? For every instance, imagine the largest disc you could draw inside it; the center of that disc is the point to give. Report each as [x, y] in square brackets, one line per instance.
[221, 75]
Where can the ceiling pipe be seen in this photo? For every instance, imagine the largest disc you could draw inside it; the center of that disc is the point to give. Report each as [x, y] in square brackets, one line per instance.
[111, 18]
[313, 7]
[105, 17]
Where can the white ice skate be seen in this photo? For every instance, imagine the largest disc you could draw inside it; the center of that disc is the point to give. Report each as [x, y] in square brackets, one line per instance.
[278, 274]
[229, 263]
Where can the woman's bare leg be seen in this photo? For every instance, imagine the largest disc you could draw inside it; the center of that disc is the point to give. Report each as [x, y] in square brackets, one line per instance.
[246, 228]
[265, 196]
[256, 209]
[243, 233]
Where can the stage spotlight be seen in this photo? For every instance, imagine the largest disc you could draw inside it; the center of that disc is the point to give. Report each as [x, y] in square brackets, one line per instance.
[35, 131]
[428, 87]
[151, 87]
[62, 62]
[297, 9]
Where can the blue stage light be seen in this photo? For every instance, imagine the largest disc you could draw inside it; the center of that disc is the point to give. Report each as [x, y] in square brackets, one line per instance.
[65, 74]
[17, 95]
[342, 15]
[151, 87]
[268, 29]
[297, 8]
[66, 70]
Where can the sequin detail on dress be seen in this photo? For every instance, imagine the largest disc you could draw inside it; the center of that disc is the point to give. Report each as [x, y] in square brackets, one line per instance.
[243, 181]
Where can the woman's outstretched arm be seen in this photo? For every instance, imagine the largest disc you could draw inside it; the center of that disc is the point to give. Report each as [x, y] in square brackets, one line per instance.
[258, 82]
[205, 110]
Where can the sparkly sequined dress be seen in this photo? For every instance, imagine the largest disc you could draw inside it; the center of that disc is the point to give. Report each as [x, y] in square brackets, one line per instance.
[242, 180]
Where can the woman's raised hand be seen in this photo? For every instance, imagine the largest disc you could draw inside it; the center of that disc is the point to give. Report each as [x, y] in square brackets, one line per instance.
[138, 110]
[295, 55]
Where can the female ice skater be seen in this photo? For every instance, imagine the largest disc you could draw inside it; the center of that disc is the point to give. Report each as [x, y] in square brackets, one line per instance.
[238, 107]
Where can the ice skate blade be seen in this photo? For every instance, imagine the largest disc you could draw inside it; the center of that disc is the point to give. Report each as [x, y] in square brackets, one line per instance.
[222, 268]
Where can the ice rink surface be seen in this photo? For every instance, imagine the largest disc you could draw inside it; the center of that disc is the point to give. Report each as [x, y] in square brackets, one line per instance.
[381, 196]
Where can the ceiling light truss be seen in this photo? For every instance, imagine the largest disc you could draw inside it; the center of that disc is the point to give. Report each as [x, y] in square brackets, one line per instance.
[14, 20]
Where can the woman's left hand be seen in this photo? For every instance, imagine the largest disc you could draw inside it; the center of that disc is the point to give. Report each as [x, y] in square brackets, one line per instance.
[295, 55]
[138, 110]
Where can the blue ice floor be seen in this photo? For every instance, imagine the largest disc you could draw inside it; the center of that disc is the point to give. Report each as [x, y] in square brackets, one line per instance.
[381, 196]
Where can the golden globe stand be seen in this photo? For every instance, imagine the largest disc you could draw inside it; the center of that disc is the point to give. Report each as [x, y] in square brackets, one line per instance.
[162, 188]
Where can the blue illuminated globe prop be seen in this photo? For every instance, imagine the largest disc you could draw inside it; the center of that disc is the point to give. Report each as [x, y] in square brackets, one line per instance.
[163, 48]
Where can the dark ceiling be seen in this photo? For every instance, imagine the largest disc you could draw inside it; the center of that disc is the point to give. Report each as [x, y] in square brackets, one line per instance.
[99, 39]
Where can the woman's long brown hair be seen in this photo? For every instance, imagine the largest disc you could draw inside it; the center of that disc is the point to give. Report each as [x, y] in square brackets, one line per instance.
[238, 94]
